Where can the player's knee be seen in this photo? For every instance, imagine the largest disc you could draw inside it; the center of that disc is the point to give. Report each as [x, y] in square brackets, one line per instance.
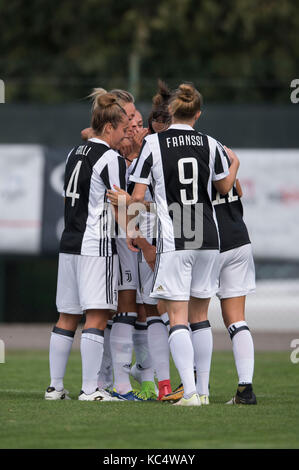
[141, 313]
[68, 321]
[151, 310]
[127, 301]
[96, 319]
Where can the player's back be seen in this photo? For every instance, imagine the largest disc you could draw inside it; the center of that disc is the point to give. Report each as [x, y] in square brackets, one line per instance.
[184, 163]
[91, 169]
[229, 212]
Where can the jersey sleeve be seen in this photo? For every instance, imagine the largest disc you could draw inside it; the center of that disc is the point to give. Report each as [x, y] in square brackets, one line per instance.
[221, 163]
[113, 171]
[142, 171]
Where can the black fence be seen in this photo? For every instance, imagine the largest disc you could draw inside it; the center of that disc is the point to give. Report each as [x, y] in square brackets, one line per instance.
[262, 126]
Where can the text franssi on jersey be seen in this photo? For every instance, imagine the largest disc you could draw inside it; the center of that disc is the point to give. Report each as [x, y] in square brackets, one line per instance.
[184, 140]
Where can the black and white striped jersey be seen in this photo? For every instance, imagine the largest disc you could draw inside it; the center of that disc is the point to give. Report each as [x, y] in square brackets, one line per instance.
[91, 169]
[229, 212]
[182, 163]
[147, 221]
[130, 169]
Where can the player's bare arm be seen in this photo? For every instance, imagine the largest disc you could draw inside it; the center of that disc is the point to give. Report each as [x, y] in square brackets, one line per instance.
[137, 197]
[148, 250]
[225, 185]
[114, 194]
[118, 196]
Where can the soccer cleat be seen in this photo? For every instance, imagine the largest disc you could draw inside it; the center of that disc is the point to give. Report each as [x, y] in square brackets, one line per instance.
[52, 394]
[192, 401]
[147, 392]
[176, 395]
[136, 373]
[97, 395]
[244, 396]
[107, 396]
[204, 399]
[130, 396]
[164, 388]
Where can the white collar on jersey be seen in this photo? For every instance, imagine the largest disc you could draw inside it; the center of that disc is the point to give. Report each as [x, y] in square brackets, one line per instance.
[181, 126]
[98, 141]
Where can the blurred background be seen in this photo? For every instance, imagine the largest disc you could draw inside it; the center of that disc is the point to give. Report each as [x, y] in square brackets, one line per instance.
[243, 56]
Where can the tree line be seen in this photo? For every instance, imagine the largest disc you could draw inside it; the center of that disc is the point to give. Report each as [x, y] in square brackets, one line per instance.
[233, 51]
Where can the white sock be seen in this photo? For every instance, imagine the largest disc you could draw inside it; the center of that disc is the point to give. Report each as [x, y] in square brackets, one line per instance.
[142, 353]
[92, 347]
[60, 347]
[243, 350]
[121, 345]
[190, 331]
[158, 346]
[183, 356]
[202, 341]
[136, 373]
[105, 375]
[165, 319]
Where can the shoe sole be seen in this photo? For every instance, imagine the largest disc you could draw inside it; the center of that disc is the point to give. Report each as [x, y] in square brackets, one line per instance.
[57, 399]
[173, 397]
[240, 401]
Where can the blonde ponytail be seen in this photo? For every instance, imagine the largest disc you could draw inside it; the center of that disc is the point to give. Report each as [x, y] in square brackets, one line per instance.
[185, 102]
[106, 109]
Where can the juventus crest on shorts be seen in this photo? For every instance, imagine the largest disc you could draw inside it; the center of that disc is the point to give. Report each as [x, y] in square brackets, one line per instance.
[183, 163]
[91, 169]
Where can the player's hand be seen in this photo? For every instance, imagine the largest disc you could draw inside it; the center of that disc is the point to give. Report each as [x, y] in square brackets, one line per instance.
[126, 147]
[137, 140]
[149, 253]
[118, 196]
[232, 156]
[86, 133]
[131, 245]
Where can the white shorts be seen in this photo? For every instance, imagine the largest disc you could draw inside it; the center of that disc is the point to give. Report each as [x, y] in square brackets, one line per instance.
[146, 276]
[236, 272]
[128, 275]
[86, 282]
[181, 274]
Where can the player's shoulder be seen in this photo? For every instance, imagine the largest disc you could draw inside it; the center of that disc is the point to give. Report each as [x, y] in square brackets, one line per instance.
[214, 144]
[211, 140]
[105, 155]
[150, 138]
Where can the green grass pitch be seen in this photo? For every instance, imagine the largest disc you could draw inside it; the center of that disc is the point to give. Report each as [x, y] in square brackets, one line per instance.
[28, 421]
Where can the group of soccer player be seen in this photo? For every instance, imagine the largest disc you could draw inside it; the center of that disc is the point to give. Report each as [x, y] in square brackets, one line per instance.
[146, 287]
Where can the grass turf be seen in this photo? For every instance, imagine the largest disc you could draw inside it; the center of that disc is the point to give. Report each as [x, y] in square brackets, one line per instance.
[28, 421]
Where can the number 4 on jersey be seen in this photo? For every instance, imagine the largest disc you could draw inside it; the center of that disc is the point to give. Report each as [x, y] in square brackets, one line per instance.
[71, 190]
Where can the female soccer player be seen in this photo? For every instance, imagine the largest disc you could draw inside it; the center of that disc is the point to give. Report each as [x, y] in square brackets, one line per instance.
[119, 332]
[183, 163]
[156, 330]
[88, 263]
[236, 279]
[159, 120]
